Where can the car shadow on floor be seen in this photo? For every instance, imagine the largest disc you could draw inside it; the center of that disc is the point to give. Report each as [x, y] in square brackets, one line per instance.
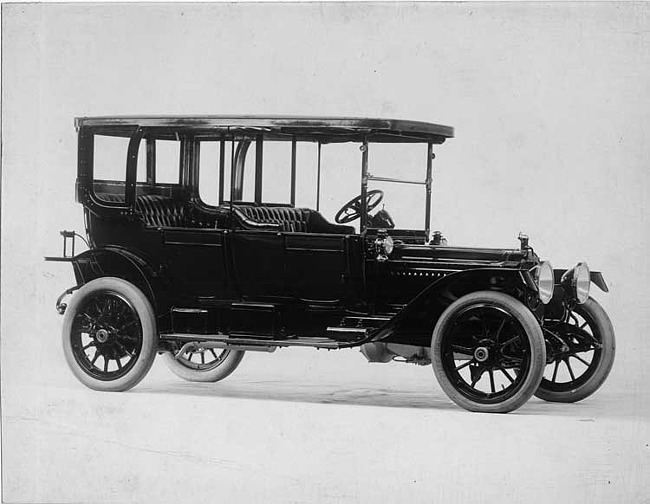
[315, 393]
[598, 407]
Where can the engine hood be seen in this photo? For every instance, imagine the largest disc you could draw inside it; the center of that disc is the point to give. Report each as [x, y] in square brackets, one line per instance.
[458, 257]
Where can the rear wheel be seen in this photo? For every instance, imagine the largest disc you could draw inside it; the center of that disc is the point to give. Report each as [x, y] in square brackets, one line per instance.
[109, 335]
[488, 352]
[581, 354]
[204, 364]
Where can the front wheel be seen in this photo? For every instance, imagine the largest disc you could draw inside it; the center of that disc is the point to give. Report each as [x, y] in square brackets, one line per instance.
[581, 354]
[488, 352]
[109, 335]
[204, 364]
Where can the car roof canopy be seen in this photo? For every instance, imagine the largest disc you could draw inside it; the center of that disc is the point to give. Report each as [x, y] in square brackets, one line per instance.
[317, 129]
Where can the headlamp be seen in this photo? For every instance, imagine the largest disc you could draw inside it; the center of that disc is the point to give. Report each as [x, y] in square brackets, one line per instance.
[545, 280]
[577, 281]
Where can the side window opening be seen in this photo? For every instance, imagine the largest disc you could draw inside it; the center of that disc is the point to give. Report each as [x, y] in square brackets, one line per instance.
[243, 160]
[110, 157]
[142, 162]
[109, 167]
[276, 176]
[110, 153]
[209, 160]
[339, 179]
[276, 171]
[159, 162]
[209, 170]
[306, 174]
[248, 186]
[168, 159]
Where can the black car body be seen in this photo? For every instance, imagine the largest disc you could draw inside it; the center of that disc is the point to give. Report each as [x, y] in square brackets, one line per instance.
[203, 282]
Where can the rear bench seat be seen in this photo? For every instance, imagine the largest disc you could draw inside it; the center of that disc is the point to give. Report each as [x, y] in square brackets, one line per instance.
[157, 211]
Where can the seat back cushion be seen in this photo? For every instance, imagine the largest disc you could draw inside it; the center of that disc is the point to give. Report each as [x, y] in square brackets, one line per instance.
[160, 211]
[301, 220]
[287, 218]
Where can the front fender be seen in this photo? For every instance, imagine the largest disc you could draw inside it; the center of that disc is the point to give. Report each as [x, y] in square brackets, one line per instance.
[415, 322]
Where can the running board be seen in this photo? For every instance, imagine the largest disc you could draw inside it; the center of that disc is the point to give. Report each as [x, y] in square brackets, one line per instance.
[197, 345]
[252, 343]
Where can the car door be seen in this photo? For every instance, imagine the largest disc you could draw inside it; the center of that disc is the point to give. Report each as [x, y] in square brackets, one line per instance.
[323, 268]
[297, 266]
[196, 260]
[258, 263]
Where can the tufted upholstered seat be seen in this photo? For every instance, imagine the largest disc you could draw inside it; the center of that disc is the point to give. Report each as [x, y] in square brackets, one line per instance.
[157, 211]
[301, 220]
[160, 211]
[287, 218]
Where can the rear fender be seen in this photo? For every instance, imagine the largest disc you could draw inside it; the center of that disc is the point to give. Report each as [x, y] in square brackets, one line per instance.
[120, 263]
[414, 324]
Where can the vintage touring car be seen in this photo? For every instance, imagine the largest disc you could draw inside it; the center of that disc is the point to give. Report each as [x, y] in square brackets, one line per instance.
[188, 258]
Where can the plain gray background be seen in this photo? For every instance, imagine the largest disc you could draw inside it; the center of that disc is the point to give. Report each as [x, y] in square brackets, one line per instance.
[550, 105]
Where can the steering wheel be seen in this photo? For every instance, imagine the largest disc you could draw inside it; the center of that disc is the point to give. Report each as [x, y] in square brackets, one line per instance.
[352, 209]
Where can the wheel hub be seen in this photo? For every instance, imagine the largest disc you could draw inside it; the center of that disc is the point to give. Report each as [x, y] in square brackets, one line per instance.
[102, 335]
[481, 354]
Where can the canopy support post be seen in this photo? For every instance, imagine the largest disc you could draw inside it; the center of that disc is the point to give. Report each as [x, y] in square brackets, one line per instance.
[293, 172]
[222, 167]
[151, 161]
[232, 178]
[427, 210]
[364, 186]
[318, 181]
[259, 152]
[132, 167]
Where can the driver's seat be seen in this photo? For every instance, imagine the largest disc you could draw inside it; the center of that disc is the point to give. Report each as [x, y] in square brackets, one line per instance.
[285, 218]
[316, 223]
